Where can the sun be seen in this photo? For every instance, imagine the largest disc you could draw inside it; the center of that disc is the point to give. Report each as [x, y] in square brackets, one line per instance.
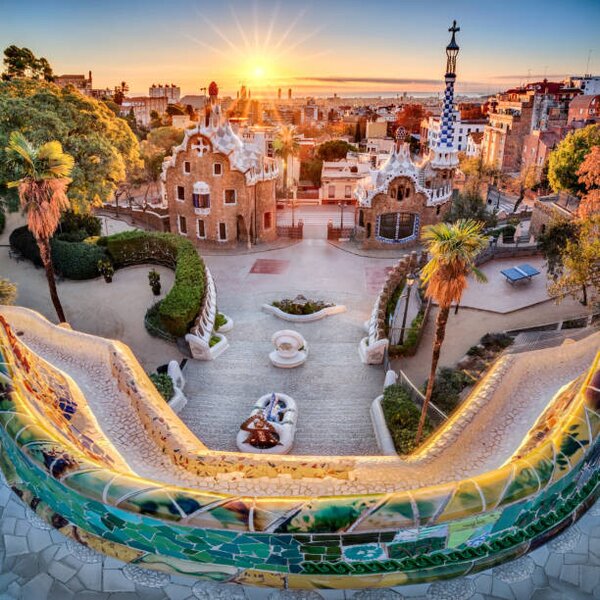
[259, 72]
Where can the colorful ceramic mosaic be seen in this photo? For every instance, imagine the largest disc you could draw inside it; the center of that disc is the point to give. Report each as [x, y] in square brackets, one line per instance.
[56, 458]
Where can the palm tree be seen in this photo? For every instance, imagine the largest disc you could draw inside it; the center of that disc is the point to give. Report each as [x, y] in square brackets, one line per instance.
[42, 188]
[286, 144]
[8, 291]
[453, 248]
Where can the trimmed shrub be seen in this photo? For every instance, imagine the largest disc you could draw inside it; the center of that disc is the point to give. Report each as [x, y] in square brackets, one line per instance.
[411, 338]
[163, 383]
[23, 242]
[181, 305]
[220, 320]
[76, 260]
[73, 260]
[402, 418]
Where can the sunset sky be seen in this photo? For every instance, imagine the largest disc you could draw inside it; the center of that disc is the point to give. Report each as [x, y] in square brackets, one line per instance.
[349, 47]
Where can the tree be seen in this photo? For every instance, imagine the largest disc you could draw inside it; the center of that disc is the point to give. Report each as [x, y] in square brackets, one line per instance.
[589, 176]
[119, 93]
[173, 109]
[42, 180]
[566, 159]
[410, 118]
[580, 259]
[22, 62]
[285, 145]
[311, 170]
[470, 205]
[103, 146]
[165, 138]
[453, 249]
[8, 291]
[553, 241]
[334, 150]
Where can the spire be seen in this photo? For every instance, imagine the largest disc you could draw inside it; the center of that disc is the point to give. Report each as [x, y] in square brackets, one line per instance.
[445, 154]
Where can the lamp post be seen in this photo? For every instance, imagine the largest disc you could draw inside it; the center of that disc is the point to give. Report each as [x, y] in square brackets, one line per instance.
[342, 205]
[410, 280]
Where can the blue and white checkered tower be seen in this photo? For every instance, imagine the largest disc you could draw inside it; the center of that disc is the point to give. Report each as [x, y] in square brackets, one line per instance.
[444, 154]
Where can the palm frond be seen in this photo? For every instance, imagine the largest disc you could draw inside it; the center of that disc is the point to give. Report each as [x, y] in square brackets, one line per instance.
[58, 164]
[20, 147]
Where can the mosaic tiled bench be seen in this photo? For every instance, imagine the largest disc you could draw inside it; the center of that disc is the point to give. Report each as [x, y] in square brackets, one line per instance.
[231, 524]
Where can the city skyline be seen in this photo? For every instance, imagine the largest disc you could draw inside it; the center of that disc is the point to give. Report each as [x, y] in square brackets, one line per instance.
[391, 48]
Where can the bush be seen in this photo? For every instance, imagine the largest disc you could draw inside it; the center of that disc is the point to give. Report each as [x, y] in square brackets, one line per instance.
[163, 383]
[23, 242]
[496, 341]
[449, 383]
[181, 305]
[76, 260]
[300, 305]
[220, 320]
[402, 418]
[75, 223]
[508, 233]
[411, 338]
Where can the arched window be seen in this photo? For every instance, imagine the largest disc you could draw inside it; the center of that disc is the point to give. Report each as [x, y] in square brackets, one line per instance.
[201, 195]
[397, 226]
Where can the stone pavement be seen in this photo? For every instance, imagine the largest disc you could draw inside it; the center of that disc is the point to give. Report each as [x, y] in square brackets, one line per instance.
[333, 389]
[497, 295]
[39, 563]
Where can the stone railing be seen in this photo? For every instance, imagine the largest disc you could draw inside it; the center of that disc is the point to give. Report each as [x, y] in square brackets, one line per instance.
[231, 525]
[372, 348]
[201, 338]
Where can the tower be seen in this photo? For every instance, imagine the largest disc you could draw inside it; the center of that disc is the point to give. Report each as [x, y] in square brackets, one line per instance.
[445, 154]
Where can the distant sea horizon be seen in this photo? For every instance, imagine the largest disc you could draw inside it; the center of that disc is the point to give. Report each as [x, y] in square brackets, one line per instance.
[367, 94]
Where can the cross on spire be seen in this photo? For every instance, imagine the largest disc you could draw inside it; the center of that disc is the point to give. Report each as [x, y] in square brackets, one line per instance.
[454, 28]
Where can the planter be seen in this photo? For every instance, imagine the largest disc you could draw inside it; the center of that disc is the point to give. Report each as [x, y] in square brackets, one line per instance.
[201, 348]
[156, 290]
[316, 316]
[107, 279]
[227, 326]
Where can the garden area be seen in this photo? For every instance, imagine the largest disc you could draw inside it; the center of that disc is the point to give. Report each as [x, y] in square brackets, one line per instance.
[80, 253]
[451, 387]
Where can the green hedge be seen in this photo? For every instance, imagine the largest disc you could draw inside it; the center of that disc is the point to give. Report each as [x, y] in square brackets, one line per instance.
[76, 260]
[73, 260]
[411, 338]
[182, 304]
[402, 418]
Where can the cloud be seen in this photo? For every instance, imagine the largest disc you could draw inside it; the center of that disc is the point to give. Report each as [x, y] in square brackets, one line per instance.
[382, 80]
[531, 76]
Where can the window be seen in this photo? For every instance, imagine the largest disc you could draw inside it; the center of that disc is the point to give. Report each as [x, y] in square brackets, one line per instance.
[222, 232]
[187, 167]
[182, 223]
[201, 195]
[268, 220]
[230, 196]
[217, 169]
[331, 191]
[200, 229]
[180, 193]
[396, 226]
[361, 218]
[348, 191]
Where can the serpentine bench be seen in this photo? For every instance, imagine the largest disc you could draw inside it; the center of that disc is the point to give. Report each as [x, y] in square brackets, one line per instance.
[93, 449]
